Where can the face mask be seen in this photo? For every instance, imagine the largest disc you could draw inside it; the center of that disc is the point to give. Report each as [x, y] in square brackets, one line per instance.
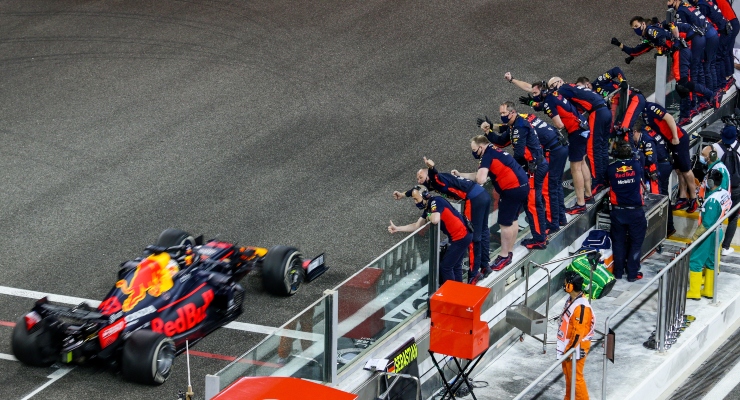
[538, 97]
[702, 160]
[505, 118]
[420, 205]
[476, 155]
[639, 31]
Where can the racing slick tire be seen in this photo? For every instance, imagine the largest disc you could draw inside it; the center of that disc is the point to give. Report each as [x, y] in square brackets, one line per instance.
[147, 357]
[34, 348]
[282, 270]
[174, 237]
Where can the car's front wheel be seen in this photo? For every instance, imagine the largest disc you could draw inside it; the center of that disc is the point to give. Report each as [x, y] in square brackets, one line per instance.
[282, 270]
[175, 237]
[147, 357]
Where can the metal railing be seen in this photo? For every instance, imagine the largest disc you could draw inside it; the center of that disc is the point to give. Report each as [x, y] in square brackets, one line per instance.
[521, 316]
[570, 353]
[321, 340]
[665, 282]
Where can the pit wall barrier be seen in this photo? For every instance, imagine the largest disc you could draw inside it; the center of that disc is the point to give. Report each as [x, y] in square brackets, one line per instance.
[381, 312]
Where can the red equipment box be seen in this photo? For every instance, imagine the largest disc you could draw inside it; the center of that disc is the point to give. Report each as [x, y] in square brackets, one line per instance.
[355, 294]
[457, 329]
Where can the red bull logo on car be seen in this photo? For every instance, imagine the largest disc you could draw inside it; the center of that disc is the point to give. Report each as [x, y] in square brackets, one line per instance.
[152, 277]
[188, 316]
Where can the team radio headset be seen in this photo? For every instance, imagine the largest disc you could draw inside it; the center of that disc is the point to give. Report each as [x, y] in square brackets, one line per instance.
[572, 279]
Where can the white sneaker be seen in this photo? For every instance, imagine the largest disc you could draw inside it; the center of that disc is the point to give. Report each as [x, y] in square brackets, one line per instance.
[727, 251]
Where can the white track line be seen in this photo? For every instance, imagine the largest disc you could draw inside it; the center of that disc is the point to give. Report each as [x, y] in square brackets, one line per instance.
[725, 386]
[31, 294]
[54, 376]
[8, 357]
[239, 326]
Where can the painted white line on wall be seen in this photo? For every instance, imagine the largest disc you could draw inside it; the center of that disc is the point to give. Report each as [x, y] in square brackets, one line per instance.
[54, 376]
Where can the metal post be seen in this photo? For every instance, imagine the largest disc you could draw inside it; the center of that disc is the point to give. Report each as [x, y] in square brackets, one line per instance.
[433, 259]
[547, 309]
[716, 264]
[213, 383]
[573, 372]
[660, 331]
[661, 68]
[684, 274]
[526, 281]
[670, 316]
[331, 328]
[604, 363]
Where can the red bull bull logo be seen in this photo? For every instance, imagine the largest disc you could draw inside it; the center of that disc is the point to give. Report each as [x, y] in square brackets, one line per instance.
[152, 277]
[624, 171]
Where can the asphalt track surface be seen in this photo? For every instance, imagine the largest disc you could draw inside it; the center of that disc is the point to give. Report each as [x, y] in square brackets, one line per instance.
[264, 122]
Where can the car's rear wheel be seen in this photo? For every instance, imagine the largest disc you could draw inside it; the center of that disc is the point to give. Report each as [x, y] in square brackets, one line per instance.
[147, 357]
[175, 237]
[282, 270]
[34, 348]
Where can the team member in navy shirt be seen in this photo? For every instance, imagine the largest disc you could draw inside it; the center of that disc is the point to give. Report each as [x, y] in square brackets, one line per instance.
[599, 123]
[714, 58]
[628, 223]
[511, 183]
[659, 120]
[705, 32]
[564, 115]
[665, 167]
[556, 154]
[727, 41]
[528, 153]
[476, 210]
[684, 70]
[437, 210]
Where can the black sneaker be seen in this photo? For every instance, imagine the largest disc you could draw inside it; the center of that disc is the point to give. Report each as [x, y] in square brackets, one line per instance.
[680, 204]
[638, 277]
[537, 246]
[500, 262]
[576, 209]
[475, 279]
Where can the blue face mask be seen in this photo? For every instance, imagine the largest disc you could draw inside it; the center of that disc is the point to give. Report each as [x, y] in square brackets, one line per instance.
[505, 118]
[476, 155]
[702, 160]
[639, 31]
[420, 205]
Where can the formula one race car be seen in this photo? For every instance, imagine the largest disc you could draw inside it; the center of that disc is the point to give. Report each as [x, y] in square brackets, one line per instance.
[180, 289]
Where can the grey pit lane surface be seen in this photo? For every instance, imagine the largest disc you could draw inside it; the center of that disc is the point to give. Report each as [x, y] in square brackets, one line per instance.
[263, 122]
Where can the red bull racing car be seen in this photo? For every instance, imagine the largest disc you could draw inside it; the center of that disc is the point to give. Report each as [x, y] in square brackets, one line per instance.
[181, 289]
